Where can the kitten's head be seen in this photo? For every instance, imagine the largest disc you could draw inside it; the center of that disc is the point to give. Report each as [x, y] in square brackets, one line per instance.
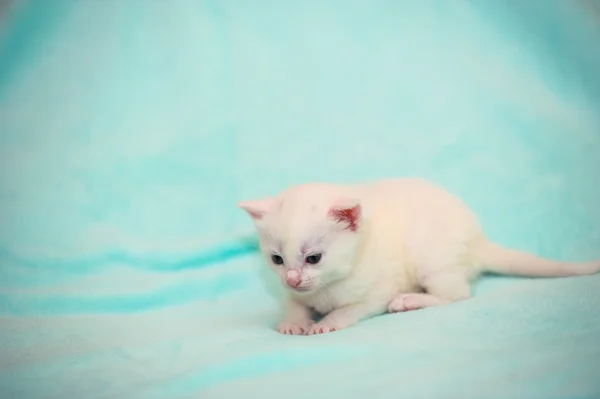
[308, 234]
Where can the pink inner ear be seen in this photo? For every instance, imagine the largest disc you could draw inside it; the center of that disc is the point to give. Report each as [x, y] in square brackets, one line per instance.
[348, 216]
[255, 214]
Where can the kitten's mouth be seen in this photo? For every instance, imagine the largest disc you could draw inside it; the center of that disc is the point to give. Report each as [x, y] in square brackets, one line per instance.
[300, 289]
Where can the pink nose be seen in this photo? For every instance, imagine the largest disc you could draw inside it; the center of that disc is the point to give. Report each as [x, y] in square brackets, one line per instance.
[293, 278]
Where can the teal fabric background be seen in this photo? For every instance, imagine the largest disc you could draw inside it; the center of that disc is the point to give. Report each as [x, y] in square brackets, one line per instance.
[130, 129]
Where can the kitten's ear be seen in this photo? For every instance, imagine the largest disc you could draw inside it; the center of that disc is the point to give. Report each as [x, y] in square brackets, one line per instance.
[257, 208]
[347, 212]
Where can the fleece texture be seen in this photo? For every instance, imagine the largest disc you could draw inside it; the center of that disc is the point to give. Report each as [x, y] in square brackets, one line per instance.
[130, 129]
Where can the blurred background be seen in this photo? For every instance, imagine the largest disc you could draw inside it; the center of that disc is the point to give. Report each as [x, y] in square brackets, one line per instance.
[129, 129]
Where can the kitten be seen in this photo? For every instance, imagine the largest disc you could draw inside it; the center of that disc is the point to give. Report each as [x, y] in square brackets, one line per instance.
[350, 252]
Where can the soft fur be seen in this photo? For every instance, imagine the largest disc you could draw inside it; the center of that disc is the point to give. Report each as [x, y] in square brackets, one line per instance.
[393, 245]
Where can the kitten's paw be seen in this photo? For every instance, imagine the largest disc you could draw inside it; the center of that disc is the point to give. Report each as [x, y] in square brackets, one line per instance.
[404, 303]
[290, 328]
[323, 327]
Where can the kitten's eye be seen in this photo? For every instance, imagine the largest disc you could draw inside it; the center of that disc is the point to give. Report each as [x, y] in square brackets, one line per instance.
[313, 259]
[278, 260]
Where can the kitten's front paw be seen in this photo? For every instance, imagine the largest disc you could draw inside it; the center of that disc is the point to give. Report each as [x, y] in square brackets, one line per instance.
[290, 328]
[323, 327]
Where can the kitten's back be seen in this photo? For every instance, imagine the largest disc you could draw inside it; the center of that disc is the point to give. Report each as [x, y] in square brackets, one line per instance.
[419, 225]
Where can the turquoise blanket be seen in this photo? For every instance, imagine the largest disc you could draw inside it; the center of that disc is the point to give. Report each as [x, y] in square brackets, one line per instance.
[130, 129]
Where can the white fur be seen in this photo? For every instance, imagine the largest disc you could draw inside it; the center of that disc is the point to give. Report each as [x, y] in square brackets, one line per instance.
[416, 246]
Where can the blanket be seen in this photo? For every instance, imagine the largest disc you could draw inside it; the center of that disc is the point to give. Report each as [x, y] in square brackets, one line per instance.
[130, 129]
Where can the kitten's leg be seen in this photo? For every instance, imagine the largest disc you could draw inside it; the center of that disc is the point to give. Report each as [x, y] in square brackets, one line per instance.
[346, 316]
[442, 289]
[414, 301]
[297, 320]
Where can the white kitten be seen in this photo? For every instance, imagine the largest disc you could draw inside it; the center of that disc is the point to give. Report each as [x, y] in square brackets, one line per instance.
[350, 252]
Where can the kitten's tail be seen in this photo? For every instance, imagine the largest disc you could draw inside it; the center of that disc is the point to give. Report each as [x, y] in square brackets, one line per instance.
[497, 259]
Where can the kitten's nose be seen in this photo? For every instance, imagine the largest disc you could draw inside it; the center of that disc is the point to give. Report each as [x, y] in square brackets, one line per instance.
[293, 278]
